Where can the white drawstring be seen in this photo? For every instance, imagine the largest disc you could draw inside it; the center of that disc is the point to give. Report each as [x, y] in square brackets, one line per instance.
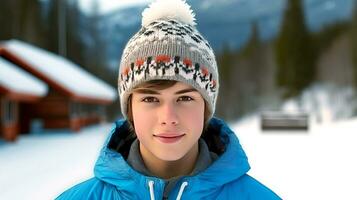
[183, 185]
[151, 187]
[152, 196]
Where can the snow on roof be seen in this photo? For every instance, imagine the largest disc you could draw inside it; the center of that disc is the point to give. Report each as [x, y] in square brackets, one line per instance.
[62, 71]
[20, 81]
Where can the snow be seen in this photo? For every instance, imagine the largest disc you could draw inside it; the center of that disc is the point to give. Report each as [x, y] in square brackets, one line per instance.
[17, 80]
[325, 102]
[41, 166]
[314, 164]
[317, 164]
[62, 71]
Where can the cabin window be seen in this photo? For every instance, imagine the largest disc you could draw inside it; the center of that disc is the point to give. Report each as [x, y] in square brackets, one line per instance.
[74, 109]
[9, 111]
[100, 110]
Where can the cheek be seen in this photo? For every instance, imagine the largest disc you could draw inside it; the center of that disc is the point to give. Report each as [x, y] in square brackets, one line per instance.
[142, 121]
[194, 118]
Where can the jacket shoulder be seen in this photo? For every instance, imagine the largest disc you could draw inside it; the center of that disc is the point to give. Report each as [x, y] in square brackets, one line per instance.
[250, 188]
[90, 189]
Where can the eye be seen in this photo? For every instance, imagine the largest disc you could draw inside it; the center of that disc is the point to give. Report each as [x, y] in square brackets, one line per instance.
[150, 99]
[185, 98]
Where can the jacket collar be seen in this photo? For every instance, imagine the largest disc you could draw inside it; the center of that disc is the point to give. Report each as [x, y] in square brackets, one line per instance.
[111, 166]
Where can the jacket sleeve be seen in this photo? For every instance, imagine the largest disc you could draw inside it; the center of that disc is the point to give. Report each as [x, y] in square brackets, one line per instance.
[246, 187]
[256, 190]
[90, 189]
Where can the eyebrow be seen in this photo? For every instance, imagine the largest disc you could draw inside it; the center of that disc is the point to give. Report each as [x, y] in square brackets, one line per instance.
[149, 91]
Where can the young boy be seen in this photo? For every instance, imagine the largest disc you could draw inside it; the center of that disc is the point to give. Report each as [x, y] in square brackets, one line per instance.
[169, 146]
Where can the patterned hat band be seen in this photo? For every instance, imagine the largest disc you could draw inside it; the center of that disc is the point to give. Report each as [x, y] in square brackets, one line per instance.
[164, 67]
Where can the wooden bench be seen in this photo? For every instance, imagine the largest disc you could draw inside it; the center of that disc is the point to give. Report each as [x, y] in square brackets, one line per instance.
[284, 121]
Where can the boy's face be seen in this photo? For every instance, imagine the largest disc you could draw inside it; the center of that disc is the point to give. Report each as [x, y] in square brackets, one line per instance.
[169, 122]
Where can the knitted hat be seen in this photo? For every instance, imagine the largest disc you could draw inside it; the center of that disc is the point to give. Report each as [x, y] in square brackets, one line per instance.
[168, 47]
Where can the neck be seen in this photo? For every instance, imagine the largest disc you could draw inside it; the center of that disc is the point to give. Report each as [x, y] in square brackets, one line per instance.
[169, 169]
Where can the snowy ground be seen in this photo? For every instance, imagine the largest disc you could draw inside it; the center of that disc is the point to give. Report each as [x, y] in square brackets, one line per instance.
[318, 164]
[41, 166]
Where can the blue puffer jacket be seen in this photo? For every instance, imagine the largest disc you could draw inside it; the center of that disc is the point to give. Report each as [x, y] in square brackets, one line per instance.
[226, 178]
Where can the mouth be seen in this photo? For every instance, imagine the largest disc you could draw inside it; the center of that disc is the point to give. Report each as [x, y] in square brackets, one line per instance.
[169, 138]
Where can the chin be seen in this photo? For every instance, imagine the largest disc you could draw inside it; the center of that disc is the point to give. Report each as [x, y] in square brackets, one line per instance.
[170, 156]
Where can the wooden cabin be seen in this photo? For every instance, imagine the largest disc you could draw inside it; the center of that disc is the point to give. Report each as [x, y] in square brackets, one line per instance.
[17, 87]
[75, 98]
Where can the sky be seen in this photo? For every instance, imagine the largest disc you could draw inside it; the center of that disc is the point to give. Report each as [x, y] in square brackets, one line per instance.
[106, 6]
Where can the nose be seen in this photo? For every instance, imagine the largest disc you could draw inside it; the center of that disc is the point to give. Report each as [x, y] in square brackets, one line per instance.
[168, 115]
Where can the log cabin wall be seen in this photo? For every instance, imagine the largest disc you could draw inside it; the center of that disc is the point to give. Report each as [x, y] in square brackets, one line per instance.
[81, 115]
[25, 117]
[9, 119]
[1, 118]
[58, 111]
[53, 110]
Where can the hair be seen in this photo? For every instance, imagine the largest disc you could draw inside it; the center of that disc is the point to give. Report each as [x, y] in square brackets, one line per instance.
[212, 138]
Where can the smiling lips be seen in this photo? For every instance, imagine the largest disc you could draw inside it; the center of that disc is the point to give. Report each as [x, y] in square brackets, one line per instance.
[169, 138]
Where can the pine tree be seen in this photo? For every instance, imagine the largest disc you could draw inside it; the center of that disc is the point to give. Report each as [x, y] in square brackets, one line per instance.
[354, 44]
[294, 52]
[225, 62]
[75, 44]
[6, 19]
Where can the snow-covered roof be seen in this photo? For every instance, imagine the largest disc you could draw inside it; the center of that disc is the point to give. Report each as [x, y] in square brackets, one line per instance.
[62, 71]
[19, 81]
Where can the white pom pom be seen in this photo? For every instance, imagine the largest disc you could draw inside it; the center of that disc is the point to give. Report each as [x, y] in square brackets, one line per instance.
[168, 9]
